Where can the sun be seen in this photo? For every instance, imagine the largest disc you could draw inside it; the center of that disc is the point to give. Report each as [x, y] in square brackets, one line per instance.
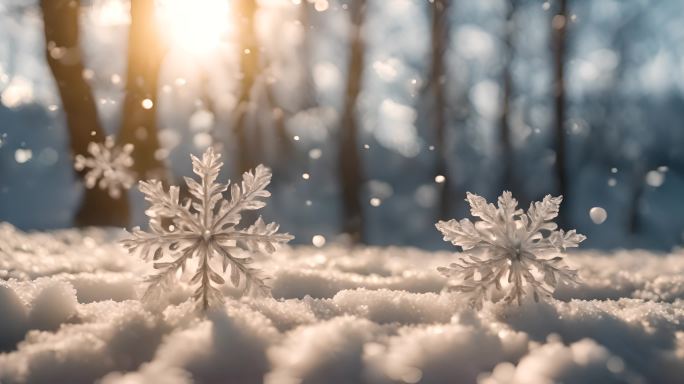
[196, 27]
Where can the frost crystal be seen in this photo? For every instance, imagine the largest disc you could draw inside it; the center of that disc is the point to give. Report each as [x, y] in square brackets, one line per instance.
[108, 166]
[507, 243]
[204, 227]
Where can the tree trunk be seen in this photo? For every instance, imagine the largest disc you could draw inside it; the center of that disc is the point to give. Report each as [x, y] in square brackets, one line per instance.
[139, 122]
[308, 84]
[64, 56]
[306, 90]
[349, 160]
[248, 51]
[208, 104]
[506, 144]
[440, 39]
[559, 24]
[279, 118]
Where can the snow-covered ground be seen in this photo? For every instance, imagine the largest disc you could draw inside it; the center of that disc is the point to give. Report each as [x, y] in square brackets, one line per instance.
[69, 314]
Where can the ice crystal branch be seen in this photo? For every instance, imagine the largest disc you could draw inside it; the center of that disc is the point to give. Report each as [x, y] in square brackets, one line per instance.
[205, 228]
[521, 250]
[108, 166]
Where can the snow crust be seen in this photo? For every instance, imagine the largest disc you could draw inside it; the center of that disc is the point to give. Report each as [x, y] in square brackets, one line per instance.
[69, 313]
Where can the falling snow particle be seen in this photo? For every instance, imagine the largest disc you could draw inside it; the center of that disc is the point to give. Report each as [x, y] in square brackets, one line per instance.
[296, 138]
[308, 203]
[318, 241]
[598, 215]
[202, 120]
[315, 153]
[375, 202]
[48, 157]
[439, 179]
[321, 5]
[366, 146]
[161, 154]
[612, 182]
[202, 140]
[615, 364]
[23, 155]
[655, 178]
[147, 104]
[613, 170]
[88, 74]
[305, 176]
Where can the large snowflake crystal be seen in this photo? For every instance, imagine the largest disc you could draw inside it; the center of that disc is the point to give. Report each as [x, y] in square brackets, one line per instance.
[521, 250]
[204, 228]
[108, 166]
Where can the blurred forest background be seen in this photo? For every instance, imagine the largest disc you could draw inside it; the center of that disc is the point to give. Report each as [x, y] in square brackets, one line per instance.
[375, 115]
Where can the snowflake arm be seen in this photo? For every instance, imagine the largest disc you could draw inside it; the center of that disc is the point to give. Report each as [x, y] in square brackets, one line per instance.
[249, 196]
[158, 282]
[461, 233]
[257, 237]
[163, 204]
[162, 240]
[540, 214]
[521, 250]
[255, 282]
[206, 294]
[208, 193]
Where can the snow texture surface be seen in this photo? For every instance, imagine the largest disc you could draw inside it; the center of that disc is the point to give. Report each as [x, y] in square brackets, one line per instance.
[70, 314]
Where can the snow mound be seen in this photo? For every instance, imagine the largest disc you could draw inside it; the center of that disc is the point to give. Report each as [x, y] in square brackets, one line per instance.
[70, 314]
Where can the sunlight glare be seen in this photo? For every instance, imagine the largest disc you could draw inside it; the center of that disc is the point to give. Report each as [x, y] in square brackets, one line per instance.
[194, 27]
[111, 12]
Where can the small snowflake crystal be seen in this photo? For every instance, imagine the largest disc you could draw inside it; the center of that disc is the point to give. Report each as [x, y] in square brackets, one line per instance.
[204, 228]
[522, 249]
[108, 166]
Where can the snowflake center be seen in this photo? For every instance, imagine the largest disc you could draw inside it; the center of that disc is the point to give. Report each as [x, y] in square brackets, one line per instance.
[206, 235]
[517, 251]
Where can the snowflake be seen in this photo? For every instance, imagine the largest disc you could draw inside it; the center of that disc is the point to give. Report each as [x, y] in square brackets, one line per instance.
[204, 227]
[108, 165]
[523, 248]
